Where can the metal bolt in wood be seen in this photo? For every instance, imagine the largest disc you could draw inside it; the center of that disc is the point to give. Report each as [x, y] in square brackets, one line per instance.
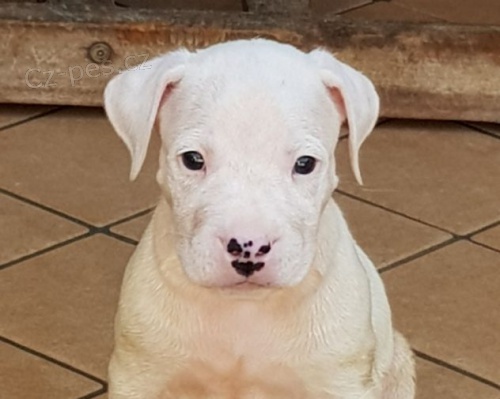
[100, 52]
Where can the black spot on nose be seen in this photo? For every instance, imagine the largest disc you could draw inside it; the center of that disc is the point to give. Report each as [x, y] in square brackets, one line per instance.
[264, 249]
[247, 268]
[233, 247]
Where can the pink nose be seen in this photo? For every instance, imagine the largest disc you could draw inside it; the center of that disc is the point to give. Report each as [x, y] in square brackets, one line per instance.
[248, 255]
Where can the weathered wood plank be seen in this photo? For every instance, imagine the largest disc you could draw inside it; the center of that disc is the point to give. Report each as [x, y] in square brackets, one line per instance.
[330, 7]
[420, 70]
[278, 6]
[215, 5]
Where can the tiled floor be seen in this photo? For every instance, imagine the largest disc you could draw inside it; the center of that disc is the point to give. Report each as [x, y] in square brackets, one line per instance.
[428, 215]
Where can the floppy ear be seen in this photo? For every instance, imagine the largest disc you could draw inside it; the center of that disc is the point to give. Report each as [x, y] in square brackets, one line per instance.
[356, 97]
[132, 100]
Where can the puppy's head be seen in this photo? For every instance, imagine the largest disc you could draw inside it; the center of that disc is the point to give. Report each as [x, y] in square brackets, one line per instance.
[248, 134]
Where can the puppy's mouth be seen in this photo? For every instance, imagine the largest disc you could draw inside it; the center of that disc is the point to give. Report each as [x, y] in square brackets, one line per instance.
[249, 285]
[246, 290]
[245, 285]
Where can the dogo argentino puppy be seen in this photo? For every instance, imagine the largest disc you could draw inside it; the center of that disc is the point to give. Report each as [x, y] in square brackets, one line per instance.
[247, 282]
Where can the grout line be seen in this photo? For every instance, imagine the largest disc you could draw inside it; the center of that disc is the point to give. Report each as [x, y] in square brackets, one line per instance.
[455, 235]
[105, 231]
[131, 217]
[456, 369]
[91, 232]
[419, 254]
[480, 130]
[365, 201]
[92, 229]
[95, 394]
[72, 218]
[46, 208]
[52, 360]
[480, 244]
[470, 236]
[482, 229]
[45, 250]
[31, 118]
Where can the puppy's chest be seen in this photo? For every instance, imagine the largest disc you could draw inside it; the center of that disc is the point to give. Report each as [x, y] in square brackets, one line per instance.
[247, 353]
[246, 334]
[241, 354]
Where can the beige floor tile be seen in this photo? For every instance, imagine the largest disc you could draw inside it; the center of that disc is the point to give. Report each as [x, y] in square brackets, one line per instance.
[435, 382]
[62, 303]
[389, 11]
[25, 229]
[133, 228]
[493, 128]
[73, 161]
[447, 305]
[25, 376]
[384, 236]
[467, 12]
[489, 237]
[441, 173]
[13, 113]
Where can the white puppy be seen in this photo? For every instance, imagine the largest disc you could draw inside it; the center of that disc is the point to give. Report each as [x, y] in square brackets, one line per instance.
[247, 282]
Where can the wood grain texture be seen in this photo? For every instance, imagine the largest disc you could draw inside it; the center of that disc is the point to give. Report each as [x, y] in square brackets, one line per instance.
[440, 71]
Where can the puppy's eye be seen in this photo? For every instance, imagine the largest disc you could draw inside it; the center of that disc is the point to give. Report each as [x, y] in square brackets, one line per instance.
[304, 165]
[193, 160]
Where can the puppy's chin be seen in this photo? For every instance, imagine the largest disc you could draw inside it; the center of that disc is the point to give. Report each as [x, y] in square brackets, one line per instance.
[246, 291]
[232, 282]
[227, 279]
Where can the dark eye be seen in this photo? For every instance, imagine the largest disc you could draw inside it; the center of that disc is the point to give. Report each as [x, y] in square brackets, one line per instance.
[193, 160]
[304, 165]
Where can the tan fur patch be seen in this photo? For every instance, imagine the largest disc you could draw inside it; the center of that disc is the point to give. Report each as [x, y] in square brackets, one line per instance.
[200, 380]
